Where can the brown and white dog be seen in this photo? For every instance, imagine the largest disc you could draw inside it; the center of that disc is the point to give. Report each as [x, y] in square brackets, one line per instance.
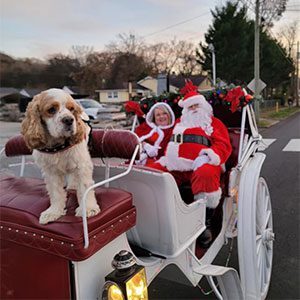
[54, 130]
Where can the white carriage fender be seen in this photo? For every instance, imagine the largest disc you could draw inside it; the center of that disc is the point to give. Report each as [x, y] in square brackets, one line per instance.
[247, 196]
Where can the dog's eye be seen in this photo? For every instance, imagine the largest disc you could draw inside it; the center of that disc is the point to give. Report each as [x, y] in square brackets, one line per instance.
[52, 110]
[71, 109]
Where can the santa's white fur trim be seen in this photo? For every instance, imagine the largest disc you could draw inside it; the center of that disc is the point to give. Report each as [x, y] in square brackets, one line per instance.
[159, 139]
[179, 128]
[197, 99]
[213, 156]
[201, 198]
[150, 115]
[173, 162]
[146, 136]
[213, 198]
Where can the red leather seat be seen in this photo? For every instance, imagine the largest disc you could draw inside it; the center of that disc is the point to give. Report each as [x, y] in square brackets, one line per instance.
[35, 258]
[26, 198]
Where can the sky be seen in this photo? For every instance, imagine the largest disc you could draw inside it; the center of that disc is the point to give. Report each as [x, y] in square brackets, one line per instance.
[39, 28]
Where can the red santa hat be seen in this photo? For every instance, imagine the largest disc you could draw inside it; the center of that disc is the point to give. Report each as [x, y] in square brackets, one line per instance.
[190, 95]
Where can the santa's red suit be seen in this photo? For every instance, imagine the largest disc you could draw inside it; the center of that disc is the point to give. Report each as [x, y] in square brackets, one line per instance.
[154, 138]
[198, 147]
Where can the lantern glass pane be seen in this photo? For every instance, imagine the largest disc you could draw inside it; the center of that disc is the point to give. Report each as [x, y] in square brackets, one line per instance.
[112, 291]
[136, 287]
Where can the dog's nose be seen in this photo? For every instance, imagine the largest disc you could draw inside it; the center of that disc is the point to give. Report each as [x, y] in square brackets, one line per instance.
[67, 121]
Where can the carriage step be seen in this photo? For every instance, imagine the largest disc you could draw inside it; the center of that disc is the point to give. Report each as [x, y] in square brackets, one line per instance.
[228, 281]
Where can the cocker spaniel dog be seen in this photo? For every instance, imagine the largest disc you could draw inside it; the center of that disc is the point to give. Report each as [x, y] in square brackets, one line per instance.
[54, 130]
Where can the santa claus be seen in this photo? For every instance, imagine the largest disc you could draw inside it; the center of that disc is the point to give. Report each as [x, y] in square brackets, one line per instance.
[199, 145]
[155, 132]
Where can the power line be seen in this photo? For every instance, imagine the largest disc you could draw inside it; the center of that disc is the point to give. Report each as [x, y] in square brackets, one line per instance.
[174, 25]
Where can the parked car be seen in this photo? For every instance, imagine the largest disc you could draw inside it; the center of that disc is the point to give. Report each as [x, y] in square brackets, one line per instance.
[97, 111]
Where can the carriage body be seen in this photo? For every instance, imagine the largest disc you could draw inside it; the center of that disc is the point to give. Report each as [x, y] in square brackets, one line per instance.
[70, 258]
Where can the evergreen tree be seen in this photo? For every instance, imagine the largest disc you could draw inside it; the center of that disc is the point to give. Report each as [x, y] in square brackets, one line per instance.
[232, 36]
[276, 66]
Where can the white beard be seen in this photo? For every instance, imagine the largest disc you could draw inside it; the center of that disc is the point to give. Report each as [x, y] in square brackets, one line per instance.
[199, 117]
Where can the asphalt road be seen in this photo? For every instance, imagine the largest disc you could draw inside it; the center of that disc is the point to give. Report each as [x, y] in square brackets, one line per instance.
[281, 170]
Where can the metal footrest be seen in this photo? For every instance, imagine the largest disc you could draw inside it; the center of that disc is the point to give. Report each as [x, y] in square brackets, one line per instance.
[228, 281]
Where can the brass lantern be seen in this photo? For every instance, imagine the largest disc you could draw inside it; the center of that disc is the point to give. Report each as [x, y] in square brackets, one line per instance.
[127, 281]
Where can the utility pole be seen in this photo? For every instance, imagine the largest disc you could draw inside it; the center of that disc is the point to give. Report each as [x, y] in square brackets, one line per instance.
[256, 61]
[297, 75]
[213, 54]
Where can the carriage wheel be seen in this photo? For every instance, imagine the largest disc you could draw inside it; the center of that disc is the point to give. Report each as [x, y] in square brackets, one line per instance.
[255, 240]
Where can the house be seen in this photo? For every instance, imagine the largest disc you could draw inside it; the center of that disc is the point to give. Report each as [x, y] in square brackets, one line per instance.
[176, 82]
[75, 91]
[27, 95]
[30, 92]
[120, 94]
[9, 95]
[9, 104]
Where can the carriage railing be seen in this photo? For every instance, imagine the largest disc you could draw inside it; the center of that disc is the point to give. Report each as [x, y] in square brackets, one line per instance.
[21, 164]
[246, 149]
[98, 184]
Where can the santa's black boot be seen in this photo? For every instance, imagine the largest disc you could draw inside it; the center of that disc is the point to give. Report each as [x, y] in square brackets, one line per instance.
[205, 239]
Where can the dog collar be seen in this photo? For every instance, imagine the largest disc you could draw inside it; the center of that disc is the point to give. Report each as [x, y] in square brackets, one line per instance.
[57, 148]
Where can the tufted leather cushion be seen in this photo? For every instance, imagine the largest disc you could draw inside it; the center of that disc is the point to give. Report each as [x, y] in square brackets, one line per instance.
[104, 143]
[113, 143]
[16, 146]
[26, 198]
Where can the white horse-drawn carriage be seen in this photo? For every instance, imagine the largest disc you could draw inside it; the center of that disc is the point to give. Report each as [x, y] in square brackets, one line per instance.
[141, 209]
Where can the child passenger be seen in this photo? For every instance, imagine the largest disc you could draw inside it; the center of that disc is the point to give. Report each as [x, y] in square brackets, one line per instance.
[155, 132]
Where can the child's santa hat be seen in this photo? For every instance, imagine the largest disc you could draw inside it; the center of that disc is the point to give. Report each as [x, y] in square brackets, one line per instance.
[191, 96]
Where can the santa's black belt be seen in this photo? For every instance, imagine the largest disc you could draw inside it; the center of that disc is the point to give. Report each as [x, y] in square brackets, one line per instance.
[190, 138]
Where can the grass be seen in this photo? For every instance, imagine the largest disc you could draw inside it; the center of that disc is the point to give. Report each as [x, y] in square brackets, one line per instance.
[264, 123]
[269, 117]
[281, 114]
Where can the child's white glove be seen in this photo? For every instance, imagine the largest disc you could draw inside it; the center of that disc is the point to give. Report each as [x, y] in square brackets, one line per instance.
[200, 161]
[151, 151]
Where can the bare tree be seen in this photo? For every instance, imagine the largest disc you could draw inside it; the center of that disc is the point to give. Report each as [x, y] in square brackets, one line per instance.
[152, 54]
[287, 36]
[173, 56]
[96, 71]
[269, 10]
[187, 64]
[81, 53]
[126, 43]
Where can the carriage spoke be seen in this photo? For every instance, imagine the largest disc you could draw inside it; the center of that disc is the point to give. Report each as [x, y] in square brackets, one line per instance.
[262, 270]
[268, 202]
[268, 258]
[265, 221]
[269, 245]
[265, 199]
[259, 258]
[259, 218]
[258, 243]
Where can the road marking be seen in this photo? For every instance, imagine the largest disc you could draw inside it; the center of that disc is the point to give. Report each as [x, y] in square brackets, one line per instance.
[292, 146]
[265, 144]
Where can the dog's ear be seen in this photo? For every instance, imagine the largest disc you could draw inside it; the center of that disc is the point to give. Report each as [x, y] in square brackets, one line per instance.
[32, 128]
[80, 125]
